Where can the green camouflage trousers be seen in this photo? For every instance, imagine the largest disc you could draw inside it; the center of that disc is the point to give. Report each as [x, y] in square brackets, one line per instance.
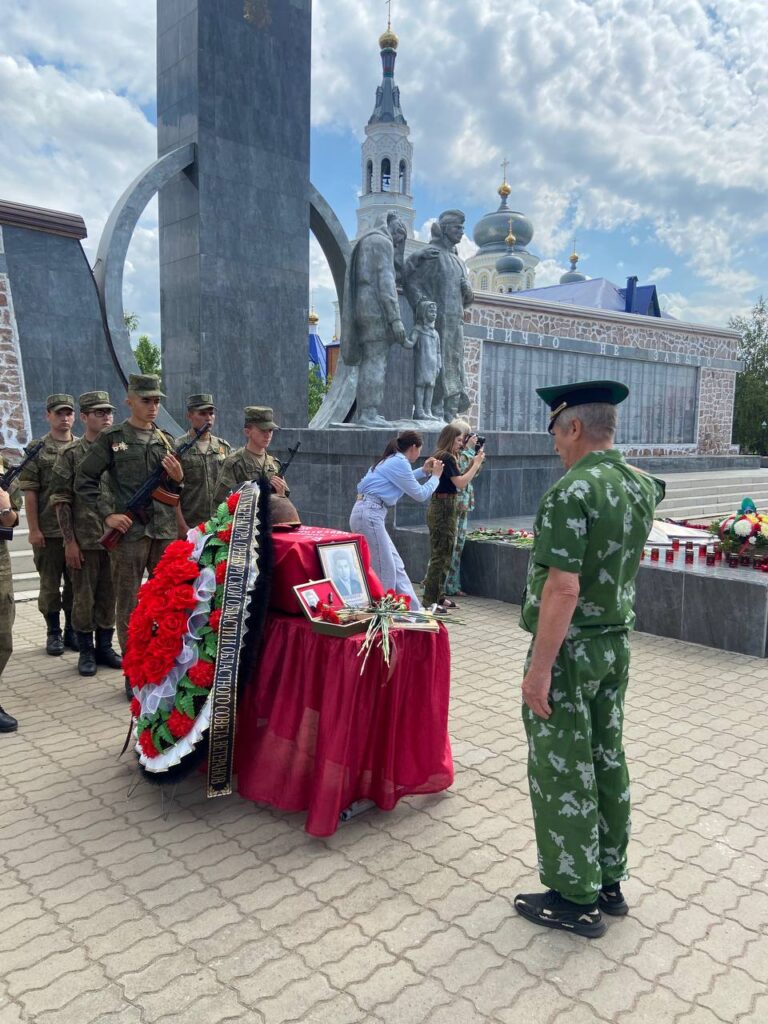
[7, 607]
[577, 771]
[441, 520]
[93, 593]
[453, 583]
[129, 561]
[52, 568]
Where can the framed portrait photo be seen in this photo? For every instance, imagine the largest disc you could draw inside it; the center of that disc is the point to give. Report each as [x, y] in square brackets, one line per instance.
[343, 565]
[311, 595]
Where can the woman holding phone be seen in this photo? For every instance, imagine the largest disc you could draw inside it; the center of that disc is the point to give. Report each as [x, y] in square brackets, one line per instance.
[465, 502]
[388, 479]
[442, 513]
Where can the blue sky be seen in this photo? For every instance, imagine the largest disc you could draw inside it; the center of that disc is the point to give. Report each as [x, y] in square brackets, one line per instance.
[641, 128]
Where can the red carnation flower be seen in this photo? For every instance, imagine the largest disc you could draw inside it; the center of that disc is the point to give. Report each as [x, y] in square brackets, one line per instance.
[215, 619]
[201, 527]
[179, 724]
[148, 748]
[221, 571]
[225, 534]
[177, 549]
[232, 501]
[202, 674]
[135, 708]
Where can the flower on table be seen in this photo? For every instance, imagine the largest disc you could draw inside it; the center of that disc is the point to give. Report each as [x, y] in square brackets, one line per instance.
[327, 614]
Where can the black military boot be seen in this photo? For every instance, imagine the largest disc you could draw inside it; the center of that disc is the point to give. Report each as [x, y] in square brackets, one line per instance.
[105, 652]
[7, 722]
[54, 644]
[86, 663]
[70, 637]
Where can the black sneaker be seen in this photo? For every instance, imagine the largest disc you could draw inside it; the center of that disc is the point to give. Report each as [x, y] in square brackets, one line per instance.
[611, 900]
[551, 910]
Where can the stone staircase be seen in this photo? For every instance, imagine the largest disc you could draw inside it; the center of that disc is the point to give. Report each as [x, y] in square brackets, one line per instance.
[706, 496]
[25, 579]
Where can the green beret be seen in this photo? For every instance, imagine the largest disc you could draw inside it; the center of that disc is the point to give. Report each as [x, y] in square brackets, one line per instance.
[560, 397]
[145, 385]
[260, 416]
[55, 402]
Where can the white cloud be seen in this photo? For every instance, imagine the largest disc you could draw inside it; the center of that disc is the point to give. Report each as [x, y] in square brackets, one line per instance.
[661, 130]
[658, 274]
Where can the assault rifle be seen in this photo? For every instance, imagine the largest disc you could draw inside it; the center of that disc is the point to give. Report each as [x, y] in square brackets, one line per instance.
[7, 478]
[291, 455]
[151, 490]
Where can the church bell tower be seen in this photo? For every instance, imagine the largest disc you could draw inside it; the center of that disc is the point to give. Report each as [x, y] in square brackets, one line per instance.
[387, 154]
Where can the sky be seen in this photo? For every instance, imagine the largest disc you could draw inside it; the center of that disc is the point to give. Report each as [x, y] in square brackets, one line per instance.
[642, 129]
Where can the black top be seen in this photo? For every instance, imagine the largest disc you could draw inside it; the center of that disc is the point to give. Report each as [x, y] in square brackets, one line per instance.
[450, 469]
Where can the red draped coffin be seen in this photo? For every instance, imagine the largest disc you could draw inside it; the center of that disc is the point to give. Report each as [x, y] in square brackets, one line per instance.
[314, 734]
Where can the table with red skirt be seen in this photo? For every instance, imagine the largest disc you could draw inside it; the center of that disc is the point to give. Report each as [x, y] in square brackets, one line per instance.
[316, 734]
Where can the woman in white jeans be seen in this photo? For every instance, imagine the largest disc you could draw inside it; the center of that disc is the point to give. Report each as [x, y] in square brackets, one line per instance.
[380, 489]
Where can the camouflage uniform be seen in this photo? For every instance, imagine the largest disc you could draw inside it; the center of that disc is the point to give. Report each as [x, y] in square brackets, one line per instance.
[442, 518]
[594, 521]
[128, 460]
[201, 473]
[55, 583]
[93, 604]
[240, 466]
[7, 605]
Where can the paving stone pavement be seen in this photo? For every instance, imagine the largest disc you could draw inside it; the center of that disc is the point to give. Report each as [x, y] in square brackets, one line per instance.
[114, 909]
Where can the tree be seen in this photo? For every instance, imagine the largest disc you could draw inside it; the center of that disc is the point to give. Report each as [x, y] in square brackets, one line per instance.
[147, 355]
[316, 391]
[131, 321]
[750, 411]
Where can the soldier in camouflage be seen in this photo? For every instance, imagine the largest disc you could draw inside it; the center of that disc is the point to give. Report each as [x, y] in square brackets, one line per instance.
[253, 461]
[202, 464]
[44, 530]
[579, 605]
[93, 603]
[128, 453]
[9, 506]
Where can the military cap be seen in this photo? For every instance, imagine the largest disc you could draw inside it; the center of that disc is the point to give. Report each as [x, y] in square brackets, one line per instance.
[93, 401]
[200, 402]
[145, 385]
[260, 416]
[560, 397]
[55, 402]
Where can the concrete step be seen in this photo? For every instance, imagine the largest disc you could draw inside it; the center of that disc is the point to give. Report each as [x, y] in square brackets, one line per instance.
[754, 491]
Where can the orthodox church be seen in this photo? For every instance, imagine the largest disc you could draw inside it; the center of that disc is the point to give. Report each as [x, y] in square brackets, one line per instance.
[503, 263]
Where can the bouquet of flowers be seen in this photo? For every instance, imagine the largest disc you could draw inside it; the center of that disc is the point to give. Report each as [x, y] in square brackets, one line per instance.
[517, 538]
[743, 530]
[385, 614]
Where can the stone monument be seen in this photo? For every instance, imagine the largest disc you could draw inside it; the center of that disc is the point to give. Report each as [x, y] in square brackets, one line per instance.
[233, 77]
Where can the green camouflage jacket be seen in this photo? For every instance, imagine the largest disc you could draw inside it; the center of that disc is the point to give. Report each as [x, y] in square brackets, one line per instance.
[37, 476]
[594, 521]
[119, 452]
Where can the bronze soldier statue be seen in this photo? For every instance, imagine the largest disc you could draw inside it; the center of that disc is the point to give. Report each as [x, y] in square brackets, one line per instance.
[437, 274]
